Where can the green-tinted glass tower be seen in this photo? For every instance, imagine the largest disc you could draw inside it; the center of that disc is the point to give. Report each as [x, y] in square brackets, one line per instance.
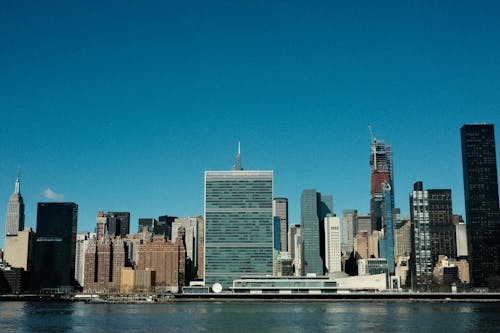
[239, 225]
[314, 208]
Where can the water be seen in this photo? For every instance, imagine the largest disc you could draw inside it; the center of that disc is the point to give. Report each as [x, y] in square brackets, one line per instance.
[259, 317]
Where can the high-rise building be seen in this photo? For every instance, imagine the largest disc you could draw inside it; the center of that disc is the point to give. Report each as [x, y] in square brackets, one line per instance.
[15, 211]
[361, 244]
[298, 259]
[402, 238]
[386, 242]
[363, 222]
[19, 249]
[238, 225]
[349, 217]
[314, 208]
[101, 228]
[325, 207]
[291, 239]
[276, 233]
[332, 244]
[164, 226]
[150, 223]
[104, 260]
[193, 242]
[82, 242]
[55, 246]
[280, 208]
[118, 223]
[441, 228]
[461, 234]
[167, 259]
[481, 203]
[381, 168]
[421, 260]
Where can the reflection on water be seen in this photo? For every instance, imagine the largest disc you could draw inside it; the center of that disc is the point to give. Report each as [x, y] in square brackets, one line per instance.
[250, 317]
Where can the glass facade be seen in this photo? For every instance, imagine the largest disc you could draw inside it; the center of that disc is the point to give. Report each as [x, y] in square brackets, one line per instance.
[481, 203]
[55, 246]
[421, 242]
[239, 225]
[387, 247]
[442, 231]
[311, 234]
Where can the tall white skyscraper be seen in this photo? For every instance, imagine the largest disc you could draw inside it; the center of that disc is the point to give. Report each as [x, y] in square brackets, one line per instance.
[332, 244]
[15, 211]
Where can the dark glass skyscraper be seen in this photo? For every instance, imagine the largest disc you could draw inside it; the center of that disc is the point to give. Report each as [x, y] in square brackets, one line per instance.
[441, 229]
[118, 223]
[481, 203]
[164, 226]
[55, 246]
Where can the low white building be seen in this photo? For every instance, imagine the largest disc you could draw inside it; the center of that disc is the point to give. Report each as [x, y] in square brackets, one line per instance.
[337, 283]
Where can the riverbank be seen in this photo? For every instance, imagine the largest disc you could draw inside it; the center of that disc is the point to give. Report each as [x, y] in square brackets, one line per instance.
[234, 297]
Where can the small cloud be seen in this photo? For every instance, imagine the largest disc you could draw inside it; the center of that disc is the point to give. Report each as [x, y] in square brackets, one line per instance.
[49, 194]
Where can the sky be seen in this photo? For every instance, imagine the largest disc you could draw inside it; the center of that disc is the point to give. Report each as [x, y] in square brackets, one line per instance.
[122, 105]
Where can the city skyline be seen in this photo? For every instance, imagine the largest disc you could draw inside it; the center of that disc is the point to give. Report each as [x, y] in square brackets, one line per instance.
[124, 108]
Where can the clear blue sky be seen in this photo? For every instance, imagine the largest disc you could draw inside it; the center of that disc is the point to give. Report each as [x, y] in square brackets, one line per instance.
[124, 105]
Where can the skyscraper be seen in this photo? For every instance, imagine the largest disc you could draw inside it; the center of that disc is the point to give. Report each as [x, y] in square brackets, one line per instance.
[362, 222]
[150, 223]
[238, 224]
[381, 168]
[481, 203]
[402, 238]
[82, 242]
[15, 211]
[55, 246]
[280, 208]
[164, 226]
[314, 208]
[118, 223]
[420, 238]
[441, 228]
[386, 242]
[332, 244]
[349, 217]
[104, 259]
[193, 242]
[292, 240]
[19, 249]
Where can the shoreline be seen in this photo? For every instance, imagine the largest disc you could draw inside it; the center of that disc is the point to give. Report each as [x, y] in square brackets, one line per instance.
[232, 297]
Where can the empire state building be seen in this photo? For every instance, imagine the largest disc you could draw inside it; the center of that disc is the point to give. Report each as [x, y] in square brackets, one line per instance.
[15, 212]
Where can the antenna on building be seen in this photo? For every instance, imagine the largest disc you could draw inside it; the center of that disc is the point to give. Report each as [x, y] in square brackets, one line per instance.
[371, 132]
[18, 184]
[237, 161]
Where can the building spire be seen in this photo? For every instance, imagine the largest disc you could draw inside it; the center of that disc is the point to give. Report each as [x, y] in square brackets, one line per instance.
[237, 161]
[17, 189]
